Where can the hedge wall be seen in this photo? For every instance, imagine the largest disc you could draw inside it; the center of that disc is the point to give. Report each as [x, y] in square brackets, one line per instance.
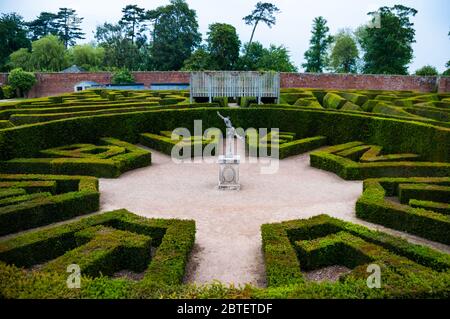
[172, 240]
[431, 142]
[374, 207]
[69, 196]
[115, 158]
[408, 271]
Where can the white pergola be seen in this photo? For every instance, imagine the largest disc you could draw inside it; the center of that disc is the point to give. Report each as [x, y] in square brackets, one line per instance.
[235, 84]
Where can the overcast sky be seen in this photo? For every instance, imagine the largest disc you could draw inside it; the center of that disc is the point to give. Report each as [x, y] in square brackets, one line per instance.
[293, 28]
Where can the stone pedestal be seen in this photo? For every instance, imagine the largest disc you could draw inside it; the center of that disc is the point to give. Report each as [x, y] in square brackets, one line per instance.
[229, 172]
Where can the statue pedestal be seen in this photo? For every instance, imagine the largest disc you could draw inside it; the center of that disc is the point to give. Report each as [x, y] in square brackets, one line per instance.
[229, 172]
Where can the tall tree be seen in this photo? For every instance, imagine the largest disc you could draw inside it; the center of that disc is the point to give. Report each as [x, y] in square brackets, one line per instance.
[223, 45]
[175, 35]
[87, 56]
[48, 54]
[119, 51]
[316, 55]
[344, 53]
[388, 49]
[264, 12]
[200, 60]
[43, 25]
[21, 59]
[252, 55]
[13, 36]
[258, 58]
[133, 18]
[68, 25]
[277, 58]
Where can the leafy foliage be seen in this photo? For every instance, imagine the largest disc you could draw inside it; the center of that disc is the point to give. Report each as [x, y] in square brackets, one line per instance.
[200, 60]
[120, 51]
[122, 77]
[133, 21]
[344, 53]
[388, 49]
[48, 54]
[316, 55]
[21, 80]
[43, 25]
[87, 56]
[175, 35]
[223, 45]
[427, 70]
[13, 36]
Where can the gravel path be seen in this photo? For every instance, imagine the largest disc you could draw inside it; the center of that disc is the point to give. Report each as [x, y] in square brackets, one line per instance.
[228, 241]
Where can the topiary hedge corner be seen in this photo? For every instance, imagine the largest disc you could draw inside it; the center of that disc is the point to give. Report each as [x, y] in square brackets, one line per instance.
[357, 161]
[30, 201]
[34, 265]
[418, 219]
[110, 159]
[293, 247]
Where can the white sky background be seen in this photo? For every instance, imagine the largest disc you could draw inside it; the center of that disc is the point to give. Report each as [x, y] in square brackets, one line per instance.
[293, 28]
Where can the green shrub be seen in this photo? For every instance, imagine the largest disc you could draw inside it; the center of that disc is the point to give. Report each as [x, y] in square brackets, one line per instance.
[349, 106]
[427, 70]
[246, 101]
[8, 92]
[71, 196]
[333, 101]
[374, 207]
[122, 77]
[21, 80]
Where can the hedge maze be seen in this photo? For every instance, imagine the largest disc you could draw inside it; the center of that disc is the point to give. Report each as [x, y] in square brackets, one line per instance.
[294, 247]
[102, 246]
[110, 158]
[53, 149]
[29, 201]
[90, 103]
[420, 106]
[181, 147]
[281, 144]
[356, 161]
[419, 206]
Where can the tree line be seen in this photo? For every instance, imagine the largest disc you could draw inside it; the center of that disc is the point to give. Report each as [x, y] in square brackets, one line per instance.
[167, 38]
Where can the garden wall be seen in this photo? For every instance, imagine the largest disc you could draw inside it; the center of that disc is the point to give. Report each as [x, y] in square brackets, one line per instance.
[57, 83]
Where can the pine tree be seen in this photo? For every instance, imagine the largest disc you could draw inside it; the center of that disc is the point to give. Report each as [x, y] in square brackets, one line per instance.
[68, 25]
[316, 56]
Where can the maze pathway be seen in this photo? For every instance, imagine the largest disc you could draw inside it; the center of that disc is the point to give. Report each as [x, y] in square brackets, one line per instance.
[228, 237]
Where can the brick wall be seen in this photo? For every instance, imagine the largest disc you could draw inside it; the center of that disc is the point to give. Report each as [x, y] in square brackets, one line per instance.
[57, 83]
[350, 81]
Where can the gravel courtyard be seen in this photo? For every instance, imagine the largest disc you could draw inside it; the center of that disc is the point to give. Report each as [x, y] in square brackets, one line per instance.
[228, 242]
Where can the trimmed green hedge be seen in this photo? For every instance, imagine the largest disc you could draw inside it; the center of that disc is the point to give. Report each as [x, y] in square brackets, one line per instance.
[431, 142]
[104, 243]
[374, 207]
[343, 161]
[408, 271]
[165, 144]
[64, 197]
[284, 143]
[110, 160]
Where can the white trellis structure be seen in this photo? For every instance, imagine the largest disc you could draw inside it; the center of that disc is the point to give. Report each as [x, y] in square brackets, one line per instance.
[234, 84]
